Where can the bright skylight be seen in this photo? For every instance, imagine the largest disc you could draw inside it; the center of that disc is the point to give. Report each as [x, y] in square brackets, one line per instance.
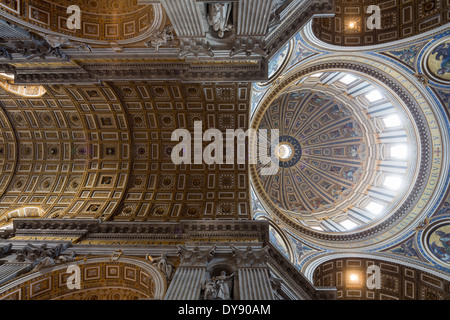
[316, 75]
[348, 224]
[392, 121]
[399, 151]
[374, 207]
[374, 95]
[392, 182]
[348, 79]
[317, 228]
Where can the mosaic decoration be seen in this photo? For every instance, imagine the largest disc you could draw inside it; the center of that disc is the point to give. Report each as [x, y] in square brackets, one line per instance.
[277, 60]
[439, 61]
[277, 241]
[407, 55]
[439, 243]
[407, 249]
[300, 249]
[445, 97]
[328, 151]
[300, 52]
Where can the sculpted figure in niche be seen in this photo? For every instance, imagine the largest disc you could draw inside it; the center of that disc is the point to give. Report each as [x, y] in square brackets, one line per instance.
[224, 285]
[218, 287]
[209, 290]
[218, 16]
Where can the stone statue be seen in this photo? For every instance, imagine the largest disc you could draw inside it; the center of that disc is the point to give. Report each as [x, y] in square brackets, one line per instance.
[55, 41]
[65, 259]
[218, 17]
[218, 288]
[44, 263]
[116, 255]
[34, 253]
[164, 37]
[53, 258]
[163, 264]
[4, 250]
[83, 47]
[5, 53]
[224, 285]
[209, 290]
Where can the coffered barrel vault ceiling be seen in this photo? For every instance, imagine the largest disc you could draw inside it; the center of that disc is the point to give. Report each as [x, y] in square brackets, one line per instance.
[102, 20]
[105, 152]
[400, 19]
[397, 282]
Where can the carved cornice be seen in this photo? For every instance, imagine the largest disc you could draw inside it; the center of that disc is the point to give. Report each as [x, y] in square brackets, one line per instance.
[184, 231]
[183, 71]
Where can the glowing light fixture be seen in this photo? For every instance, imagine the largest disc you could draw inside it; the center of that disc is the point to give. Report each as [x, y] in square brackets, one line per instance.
[353, 277]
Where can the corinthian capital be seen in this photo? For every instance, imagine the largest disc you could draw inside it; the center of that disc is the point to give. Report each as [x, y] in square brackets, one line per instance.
[250, 257]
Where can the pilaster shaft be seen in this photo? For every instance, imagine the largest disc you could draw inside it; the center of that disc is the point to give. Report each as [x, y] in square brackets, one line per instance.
[186, 284]
[254, 284]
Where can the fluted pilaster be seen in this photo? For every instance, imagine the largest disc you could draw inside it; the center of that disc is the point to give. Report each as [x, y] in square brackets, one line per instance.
[186, 284]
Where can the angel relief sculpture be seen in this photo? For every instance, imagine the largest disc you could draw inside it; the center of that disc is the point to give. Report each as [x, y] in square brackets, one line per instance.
[164, 37]
[218, 287]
